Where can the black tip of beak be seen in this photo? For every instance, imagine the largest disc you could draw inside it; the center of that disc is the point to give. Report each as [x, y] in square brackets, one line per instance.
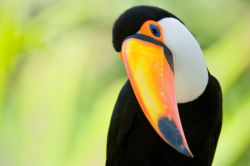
[185, 151]
[173, 136]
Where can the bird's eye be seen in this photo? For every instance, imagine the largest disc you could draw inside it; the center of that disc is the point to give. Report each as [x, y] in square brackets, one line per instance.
[155, 30]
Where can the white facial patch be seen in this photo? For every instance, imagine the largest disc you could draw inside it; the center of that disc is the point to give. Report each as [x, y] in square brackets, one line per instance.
[190, 70]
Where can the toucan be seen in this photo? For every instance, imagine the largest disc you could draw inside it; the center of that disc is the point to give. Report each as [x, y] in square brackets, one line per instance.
[169, 112]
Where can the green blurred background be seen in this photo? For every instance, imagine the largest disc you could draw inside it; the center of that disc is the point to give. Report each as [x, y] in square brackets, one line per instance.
[60, 77]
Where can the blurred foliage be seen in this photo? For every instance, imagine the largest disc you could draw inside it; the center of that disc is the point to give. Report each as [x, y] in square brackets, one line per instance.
[60, 77]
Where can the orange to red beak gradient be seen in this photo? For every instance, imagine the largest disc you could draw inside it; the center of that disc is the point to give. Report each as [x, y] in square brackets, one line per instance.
[152, 80]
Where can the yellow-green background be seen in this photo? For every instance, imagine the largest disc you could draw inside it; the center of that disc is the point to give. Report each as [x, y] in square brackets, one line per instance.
[60, 77]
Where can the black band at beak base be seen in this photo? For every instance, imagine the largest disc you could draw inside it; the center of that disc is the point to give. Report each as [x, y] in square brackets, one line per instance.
[166, 50]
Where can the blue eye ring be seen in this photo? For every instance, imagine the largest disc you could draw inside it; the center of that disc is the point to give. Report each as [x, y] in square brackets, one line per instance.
[155, 30]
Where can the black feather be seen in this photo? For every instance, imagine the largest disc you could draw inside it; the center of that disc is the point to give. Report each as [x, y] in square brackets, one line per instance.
[129, 22]
[132, 141]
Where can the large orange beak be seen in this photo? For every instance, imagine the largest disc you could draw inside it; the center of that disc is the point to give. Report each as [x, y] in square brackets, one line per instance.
[149, 67]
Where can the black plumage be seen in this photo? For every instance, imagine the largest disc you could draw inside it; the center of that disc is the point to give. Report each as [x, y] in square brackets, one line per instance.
[131, 20]
[132, 141]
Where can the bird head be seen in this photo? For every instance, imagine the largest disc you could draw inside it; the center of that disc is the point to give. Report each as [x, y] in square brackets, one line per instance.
[165, 66]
